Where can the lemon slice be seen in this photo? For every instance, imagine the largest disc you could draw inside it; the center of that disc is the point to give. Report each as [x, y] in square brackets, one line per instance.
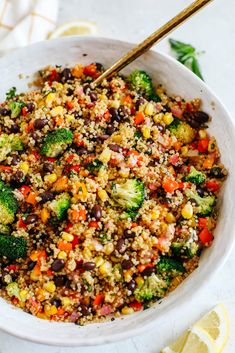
[178, 345]
[216, 324]
[74, 28]
[199, 341]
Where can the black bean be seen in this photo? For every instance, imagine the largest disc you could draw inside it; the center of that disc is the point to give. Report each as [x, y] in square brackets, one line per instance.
[128, 234]
[34, 135]
[27, 180]
[200, 190]
[127, 264]
[81, 150]
[31, 265]
[66, 75]
[30, 107]
[139, 102]
[15, 128]
[88, 266]
[110, 129]
[148, 271]
[58, 265]
[114, 114]
[103, 137]
[40, 123]
[131, 285]
[5, 112]
[123, 112]
[86, 88]
[160, 127]
[46, 196]
[84, 310]
[114, 147]
[57, 302]
[31, 218]
[200, 116]
[99, 67]
[217, 172]
[60, 281]
[15, 159]
[93, 96]
[120, 245]
[19, 176]
[96, 212]
[48, 167]
[70, 91]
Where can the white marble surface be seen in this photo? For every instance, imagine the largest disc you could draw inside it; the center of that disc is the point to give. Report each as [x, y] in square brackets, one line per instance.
[213, 30]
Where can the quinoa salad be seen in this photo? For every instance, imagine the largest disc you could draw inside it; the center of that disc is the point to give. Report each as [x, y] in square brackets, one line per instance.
[107, 194]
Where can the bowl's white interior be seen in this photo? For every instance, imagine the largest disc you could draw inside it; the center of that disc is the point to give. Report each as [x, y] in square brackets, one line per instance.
[178, 80]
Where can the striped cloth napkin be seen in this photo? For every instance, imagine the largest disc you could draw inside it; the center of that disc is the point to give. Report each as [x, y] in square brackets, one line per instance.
[23, 22]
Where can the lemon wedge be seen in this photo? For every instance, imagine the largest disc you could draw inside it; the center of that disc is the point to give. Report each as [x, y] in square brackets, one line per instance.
[208, 335]
[74, 28]
[216, 324]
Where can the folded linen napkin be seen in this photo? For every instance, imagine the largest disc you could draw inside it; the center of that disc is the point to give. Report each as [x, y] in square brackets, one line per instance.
[23, 22]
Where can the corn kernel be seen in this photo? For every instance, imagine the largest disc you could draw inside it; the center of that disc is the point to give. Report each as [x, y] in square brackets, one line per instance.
[57, 111]
[184, 151]
[187, 211]
[117, 138]
[105, 155]
[70, 118]
[124, 172]
[146, 131]
[140, 281]
[42, 316]
[128, 274]
[62, 255]
[103, 195]
[106, 268]
[45, 214]
[50, 287]
[49, 99]
[170, 218]
[158, 118]
[87, 253]
[34, 277]
[41, 294]
[66, 236]
[50, 310]
[108, 248]
[23, 295]
[50, 178]
[149, 109]
[168, 118]
[154, 215]
[102, 174]
[127, 311]
[99, 261]
[24, 166]
[115, 259]
[202, 134]
[58, 85]
[66, 301]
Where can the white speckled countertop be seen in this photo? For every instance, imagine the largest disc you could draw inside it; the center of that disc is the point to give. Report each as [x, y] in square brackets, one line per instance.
[213, 30]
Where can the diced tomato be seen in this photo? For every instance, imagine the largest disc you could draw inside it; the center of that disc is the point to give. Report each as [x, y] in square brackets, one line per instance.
[51, 159]
[70, 158]
[106, 116]
[91, 70]
[202, 222]
[205, 236]
[50, 273]
[25, 190]
[21, 224]
[93, 224]
[139, 118]
[12, 268]
[24, 111]
[53, 76]
[137, 306]
[68, 227]
[69, 104]
[174, 159]
[170, 185]
[203, 145]
[188, 107]
[177, 111]
[75, 168]
[212, 185]
[75, 240]
[36, 155]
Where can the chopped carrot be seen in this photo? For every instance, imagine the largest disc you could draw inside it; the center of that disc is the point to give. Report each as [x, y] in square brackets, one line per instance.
[62, 245]
[78, 215]
[60, 311]
[203, 145]
[24, 190]
[61, 184]
[98, 299]
[37, 254]
[127, 100]
[77, 71]
[139, 118]
[59, 120]
[209, 161]
[141, 268]
[4, 168]
[106, 116]
[31, 198]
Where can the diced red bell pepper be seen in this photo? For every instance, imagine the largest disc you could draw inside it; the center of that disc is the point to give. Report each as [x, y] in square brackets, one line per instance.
[68, 227]
[51, 159]
[91, 70]
[137, 306]
[203, 145]
[139, 118]
[75, 240]
[53, 76]
[205, 236]
[21, 224]
[98, 299]
[93, 224]
[25, 190]
[24, 111]
[213, 185]
[202, 222]
[75, 168]
[12, 268]
[70, 158]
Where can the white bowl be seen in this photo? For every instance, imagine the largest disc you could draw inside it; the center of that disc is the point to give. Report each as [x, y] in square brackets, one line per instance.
[179, 80]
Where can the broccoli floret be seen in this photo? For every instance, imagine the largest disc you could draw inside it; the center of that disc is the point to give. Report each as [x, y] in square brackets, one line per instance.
[16, 108]
[60, 205]
[8, 144]
[205, 204]
[56, 142]
[13, 290]
[152, 287]
[183, 131]
[195, 176]
[8, 204]
[169, 267]
[11, 93]
[129, 195]
[4, 229]
[142, 83]
[12, 247]
[185, 249]
[94, 166]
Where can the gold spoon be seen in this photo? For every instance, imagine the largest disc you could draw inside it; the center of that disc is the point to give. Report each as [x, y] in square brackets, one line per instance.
[152, 39]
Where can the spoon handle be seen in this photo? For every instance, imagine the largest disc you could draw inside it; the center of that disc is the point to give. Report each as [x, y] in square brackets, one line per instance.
[152, 39]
